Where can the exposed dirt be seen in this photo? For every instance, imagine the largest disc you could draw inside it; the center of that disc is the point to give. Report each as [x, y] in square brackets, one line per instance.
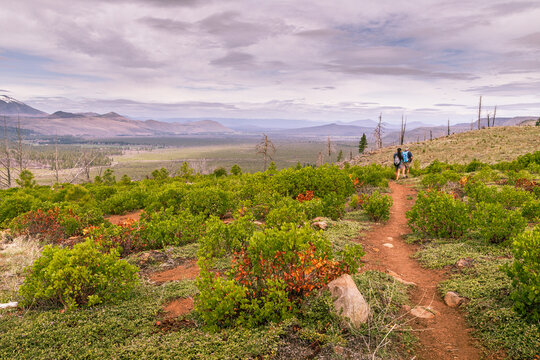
[178, 307]
[186, 271]
[122, 219]
[446, 335]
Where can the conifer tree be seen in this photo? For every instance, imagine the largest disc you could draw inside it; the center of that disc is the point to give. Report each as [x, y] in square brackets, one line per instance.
[362, 144]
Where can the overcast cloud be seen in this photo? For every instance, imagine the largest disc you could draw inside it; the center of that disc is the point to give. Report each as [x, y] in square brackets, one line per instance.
[316, 60]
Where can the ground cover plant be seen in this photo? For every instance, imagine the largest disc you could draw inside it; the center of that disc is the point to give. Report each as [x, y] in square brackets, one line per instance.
[488, 224]
[256, 247]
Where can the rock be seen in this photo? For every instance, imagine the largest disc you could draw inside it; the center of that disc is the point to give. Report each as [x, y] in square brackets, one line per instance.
[8, 305]
[399, 278]
[349, 302]
[147, 257]
[389, 238]
[320, 225]
[465, 262]
[424, 312]
[388, 245]
[258, 223]
[6, 237]
[453, 299]
[318, 218]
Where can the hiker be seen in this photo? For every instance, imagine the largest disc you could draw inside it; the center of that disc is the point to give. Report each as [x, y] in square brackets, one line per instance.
[398, 162]
[407, 160]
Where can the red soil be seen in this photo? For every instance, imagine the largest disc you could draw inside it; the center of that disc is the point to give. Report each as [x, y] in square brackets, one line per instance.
[186, 271]
[178, 307]
[444, 337]
[122, 219]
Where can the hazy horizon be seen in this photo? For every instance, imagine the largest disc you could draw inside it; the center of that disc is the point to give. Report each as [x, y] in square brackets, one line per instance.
[315, 61]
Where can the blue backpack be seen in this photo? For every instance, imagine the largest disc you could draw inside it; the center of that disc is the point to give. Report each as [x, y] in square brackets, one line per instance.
[405, 154]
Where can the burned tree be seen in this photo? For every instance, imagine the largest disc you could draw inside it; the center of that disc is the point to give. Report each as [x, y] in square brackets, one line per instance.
[5, 161]
[479, 111]
[266, 148]
[402, 131]
[378, 133]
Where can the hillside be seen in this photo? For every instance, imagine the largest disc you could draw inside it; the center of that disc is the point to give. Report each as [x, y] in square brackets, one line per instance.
[487, 145]
[10, 106]
[112, 124]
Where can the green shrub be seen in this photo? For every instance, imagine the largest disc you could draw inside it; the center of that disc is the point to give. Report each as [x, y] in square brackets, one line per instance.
[82, 276]
[270, 277]
[354, 202]
[287, 211]
[221, 238]
[333, 206]
[220, 171]
[125, 238]
[438, 180]
[531, 210]
[160, 174]
[128, 199]
[209, 201]
[164, 228]
[377, 206]
[15, 205]
[525, 274]
[236, 170]
[438, 214]
[496, 224]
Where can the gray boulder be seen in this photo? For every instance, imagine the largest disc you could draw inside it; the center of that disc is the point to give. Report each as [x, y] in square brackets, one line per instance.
[348, 300]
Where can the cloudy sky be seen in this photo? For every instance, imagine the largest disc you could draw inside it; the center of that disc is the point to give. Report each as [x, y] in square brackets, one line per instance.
[317, 59]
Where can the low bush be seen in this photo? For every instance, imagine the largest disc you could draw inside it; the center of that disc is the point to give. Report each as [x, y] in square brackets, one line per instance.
[128, 199]
[126, 237]
[438, 180]
[270, 277]
[53, 225]
[160, 229]
[495, 224]
[525, 274]
[221, 239]
[82, 276]
[377, 206]
[209, 201]
[286, 211]
[531, 210]
[438, 214]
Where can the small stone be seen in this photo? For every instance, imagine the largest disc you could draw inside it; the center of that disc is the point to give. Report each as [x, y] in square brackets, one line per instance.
[399, 278]
[320, 225]
[423, 312]
[453, 299]
[388, 245]
[11, 304]
[389, 238]
[465, 262]
[258, 223]
[375, 249]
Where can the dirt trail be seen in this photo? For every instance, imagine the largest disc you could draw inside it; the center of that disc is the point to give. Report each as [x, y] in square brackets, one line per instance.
[446, 336]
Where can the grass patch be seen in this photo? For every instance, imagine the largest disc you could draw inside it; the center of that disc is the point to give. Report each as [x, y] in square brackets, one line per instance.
[443, 252]
[490, 309]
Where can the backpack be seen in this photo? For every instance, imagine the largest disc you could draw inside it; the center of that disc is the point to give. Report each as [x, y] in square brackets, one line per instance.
[404, 154]
[397, 160]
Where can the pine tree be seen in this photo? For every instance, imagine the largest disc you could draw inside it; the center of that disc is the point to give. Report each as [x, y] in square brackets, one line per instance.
[362, 144]
[340, 156]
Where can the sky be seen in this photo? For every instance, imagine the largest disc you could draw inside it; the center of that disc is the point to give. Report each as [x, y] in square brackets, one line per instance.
[314, 60]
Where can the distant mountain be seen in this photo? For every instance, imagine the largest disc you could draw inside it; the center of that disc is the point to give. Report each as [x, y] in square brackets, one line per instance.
[326, 130]
[65, 115]
[111, 125]
[12, 107]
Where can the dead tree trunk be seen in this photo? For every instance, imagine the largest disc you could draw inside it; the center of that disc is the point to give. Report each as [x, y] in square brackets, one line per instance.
[6, 161]
[479, 111]
[56, 159]
[402, 132]
[430, 135]
[448, 132]
[488, 115]
[494, 114]
[19, 156]
[378, 139]
[267, 148]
